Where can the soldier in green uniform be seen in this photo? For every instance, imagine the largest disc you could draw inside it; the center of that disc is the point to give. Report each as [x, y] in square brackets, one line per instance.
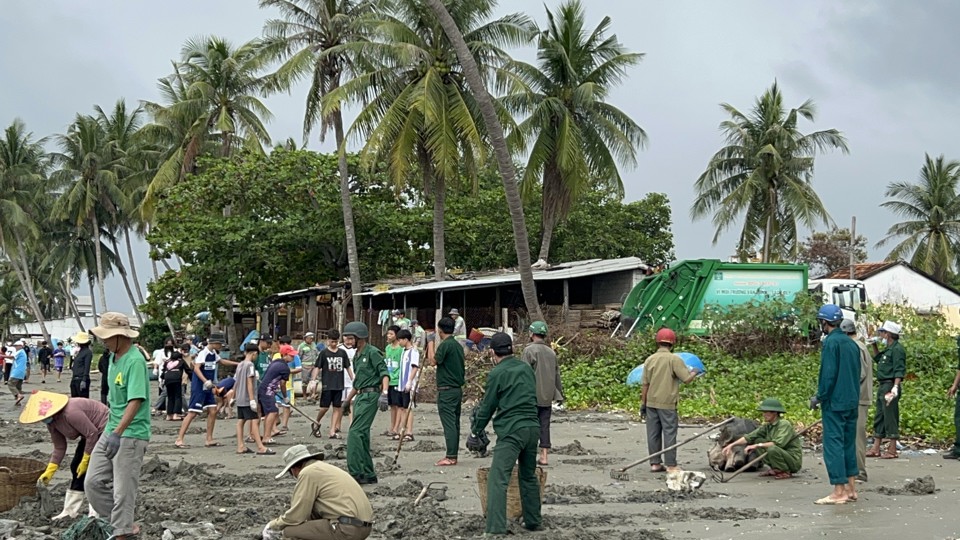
[511, 393]
[450, 381]
[838, 390]
[371, 380]
[782, 450]
[954, 453]
[891, 369]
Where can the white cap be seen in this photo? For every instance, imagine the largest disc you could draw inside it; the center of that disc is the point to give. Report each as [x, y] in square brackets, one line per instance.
[308, 334]
[19, 342]
[891, 327]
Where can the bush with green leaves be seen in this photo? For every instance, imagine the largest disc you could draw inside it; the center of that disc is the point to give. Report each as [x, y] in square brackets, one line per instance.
[594, 370]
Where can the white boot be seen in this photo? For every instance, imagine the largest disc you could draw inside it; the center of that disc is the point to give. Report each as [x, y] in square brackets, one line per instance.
[92, 513]
[71, 504]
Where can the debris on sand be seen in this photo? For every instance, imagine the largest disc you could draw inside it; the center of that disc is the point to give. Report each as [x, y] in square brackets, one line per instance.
[427, 446]
[663, 497]
[14, 435]
[712, 514]
[571, 494]
[920, 486]
[572, 449]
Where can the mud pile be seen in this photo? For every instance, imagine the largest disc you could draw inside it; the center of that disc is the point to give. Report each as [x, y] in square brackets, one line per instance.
[663, 497]
[571, 494]
[426, 446]
[712, 514]
[920, 486]
[14, 434]
[572, 449]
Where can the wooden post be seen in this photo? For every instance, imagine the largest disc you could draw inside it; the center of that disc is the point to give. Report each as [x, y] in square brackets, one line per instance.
[497, 322]
[312, 314]
[566, 299]
[290, 312]
[853, 243]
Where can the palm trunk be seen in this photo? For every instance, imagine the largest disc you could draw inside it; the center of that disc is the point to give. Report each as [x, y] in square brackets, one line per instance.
[126, 283]
[93, 299]
[71, 302]
[768, 232]
[439, 200]
[26, 281]
[99, 258]
[504, 162]
[165, 264]
[133, 267]
[353, 258]
[554, 207]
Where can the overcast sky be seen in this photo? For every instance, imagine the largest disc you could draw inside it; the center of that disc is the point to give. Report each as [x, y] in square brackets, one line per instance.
[879, 71]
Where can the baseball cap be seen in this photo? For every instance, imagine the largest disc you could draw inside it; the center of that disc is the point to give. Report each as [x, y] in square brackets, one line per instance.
[287, 350]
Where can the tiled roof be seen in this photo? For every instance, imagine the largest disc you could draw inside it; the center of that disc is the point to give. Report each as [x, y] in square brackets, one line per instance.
[861, 271]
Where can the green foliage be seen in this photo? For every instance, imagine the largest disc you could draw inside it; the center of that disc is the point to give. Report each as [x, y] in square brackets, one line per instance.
[763, 328]
[594, 377]
[826, 251]
[153, 333]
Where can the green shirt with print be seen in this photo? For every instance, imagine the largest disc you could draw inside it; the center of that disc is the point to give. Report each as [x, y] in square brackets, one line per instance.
[263, 360]
[369, 368]
[128, 378]
[394, 353]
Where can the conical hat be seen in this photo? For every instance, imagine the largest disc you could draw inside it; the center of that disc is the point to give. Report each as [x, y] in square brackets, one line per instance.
[42, 405]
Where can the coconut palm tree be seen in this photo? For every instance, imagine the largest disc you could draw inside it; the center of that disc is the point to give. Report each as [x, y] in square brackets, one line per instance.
[304, 38]
[507, 171]
[417, 113]
[23, 168]
[931, 235]
[576, 138]
[88, 168]
[763, 177]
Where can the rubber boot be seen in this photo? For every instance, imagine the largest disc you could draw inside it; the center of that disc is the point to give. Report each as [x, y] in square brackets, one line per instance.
[71, 504]
[91, 512]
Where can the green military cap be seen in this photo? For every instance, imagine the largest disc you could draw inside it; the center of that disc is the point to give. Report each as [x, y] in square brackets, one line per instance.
[772, 405]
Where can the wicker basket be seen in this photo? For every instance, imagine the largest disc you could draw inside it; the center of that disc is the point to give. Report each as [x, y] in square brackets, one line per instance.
[514, 510]
[18, 478]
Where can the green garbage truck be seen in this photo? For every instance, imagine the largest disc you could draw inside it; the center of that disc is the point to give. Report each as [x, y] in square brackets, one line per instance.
[676, 297]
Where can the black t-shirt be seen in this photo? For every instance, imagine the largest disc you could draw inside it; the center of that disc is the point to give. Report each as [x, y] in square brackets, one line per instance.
[332, 364]
[44, 355]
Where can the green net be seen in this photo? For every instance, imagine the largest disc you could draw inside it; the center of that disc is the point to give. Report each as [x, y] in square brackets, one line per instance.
[88, 528]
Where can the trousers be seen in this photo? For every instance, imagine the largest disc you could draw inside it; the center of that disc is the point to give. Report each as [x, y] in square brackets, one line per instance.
[662, 427]
[76, 483]
[543, 415]
[111, 484]
[886, 421]
[839, 445]
[359, 462]
[862, 413]
[325, 529]
[520, 448]
[448, 407]
[778, 458]
[956, 425]
[77, 391]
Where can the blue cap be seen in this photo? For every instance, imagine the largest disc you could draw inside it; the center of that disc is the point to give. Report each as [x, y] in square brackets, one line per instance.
[830, 313]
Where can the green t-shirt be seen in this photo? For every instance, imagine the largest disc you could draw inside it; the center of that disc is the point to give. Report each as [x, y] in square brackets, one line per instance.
[394, 354]
[263, 360]
[450, 363]
[128, 378]
[369, 368]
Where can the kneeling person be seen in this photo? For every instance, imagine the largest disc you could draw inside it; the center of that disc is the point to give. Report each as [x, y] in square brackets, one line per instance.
[327, 503]
[782, 450]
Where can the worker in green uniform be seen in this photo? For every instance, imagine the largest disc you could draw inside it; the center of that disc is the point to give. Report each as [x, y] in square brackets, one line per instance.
[891, 369]
[370, 379]
[450, 381]
[954, 453]
[782, 450]
[838, 391]
[511, 394]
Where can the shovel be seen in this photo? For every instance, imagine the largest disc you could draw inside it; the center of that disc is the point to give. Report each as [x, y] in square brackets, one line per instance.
[620, 474]
[423, 492]
[718, 474]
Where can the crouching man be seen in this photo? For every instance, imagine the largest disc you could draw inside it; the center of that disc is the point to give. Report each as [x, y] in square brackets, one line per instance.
[781, 449]
[327, 503]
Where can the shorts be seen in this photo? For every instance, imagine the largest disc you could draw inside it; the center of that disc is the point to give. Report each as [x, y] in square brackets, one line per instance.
[331, 397]
[15, 385]
[247, 413]
[394, 397]
[45, 364]
[200, 399]
[404, 400]
[58, 366]
[268, 405]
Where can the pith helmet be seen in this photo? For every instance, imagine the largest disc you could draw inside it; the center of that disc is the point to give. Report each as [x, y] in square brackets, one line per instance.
[357, 329]
[772, 405]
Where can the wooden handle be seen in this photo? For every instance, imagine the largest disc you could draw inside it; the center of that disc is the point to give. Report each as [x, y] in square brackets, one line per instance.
[679, 444]
[757, 459]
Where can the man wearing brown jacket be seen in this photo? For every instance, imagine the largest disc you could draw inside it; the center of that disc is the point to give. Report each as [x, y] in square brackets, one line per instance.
[866, 392]
[549, 388]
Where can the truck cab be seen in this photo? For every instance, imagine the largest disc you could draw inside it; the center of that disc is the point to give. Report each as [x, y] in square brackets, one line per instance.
[849, 294]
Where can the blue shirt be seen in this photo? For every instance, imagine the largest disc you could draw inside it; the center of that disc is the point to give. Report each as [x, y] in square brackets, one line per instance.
[207, 362]
[19, 369]
[277, 372]
[226, 385]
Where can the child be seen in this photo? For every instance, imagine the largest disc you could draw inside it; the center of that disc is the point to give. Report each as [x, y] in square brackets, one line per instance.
[245, 393]
[392, 353]
[349, 346]
[292, 358]
[274, 384]
[332, 363]
[223, 392]
[58, 357]
[409, 370]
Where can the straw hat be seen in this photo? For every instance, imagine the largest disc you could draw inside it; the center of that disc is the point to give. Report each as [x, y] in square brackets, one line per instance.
[81, 338]
[42, 405]
[114, 324]
[296, 454]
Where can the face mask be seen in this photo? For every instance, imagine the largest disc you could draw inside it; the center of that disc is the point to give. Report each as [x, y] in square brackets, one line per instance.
[47, 420]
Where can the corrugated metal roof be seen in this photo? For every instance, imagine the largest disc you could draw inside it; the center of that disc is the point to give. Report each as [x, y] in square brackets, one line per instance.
[569, 270]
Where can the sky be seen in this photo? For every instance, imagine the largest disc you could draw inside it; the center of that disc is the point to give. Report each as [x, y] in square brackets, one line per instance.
[877, 70]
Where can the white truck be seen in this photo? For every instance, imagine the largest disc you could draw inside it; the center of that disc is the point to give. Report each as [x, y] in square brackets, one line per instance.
[849, 294]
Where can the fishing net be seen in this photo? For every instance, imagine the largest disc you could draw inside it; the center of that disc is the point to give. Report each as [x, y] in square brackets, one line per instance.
[88, 528]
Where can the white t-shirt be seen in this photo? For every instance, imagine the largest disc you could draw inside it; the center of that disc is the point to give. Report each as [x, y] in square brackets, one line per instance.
[347, 381]
[159, 356]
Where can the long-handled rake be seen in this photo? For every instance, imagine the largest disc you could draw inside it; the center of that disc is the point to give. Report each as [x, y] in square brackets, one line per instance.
[620, 474]
[314, 425]
[718, 473]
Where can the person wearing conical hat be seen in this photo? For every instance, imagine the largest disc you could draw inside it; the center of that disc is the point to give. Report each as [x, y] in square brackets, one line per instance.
[80, 381]
[114, 475]
[782, 451]
[68, 419]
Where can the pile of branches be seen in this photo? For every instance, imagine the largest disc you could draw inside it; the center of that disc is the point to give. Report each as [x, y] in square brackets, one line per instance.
[478, 365]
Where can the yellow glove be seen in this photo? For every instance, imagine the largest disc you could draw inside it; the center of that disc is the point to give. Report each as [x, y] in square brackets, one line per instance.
[48, 474]
[84, 463]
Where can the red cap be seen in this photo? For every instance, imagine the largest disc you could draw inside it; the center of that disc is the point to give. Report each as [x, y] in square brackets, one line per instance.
[287, 350]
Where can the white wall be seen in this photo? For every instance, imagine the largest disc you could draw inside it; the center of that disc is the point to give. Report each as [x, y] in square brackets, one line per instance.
[901, 285]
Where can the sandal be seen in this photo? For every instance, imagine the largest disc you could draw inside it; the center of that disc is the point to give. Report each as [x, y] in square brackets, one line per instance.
[768, 472]
[542, 463]
[249, 439]
[657, 468]
[269, 442]
[246, 451]
[783, 475]
[408, 438]
[181, 445]
[871, 453]
[267, 452]
[886, 455]
[213, 444]
[336, 436]
[395, 437]
[446, 462]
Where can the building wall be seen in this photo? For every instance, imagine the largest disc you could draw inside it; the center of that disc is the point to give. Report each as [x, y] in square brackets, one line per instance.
[901, 285]
[614, 288]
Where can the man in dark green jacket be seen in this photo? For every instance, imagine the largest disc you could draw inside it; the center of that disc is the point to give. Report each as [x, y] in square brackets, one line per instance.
[511, 393]
[782, 450]
[891, 369]
[450, 381]
[838, 392]
[370, 385]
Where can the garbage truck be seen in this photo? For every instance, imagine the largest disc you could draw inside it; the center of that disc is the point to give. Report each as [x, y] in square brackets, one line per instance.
[676, 297]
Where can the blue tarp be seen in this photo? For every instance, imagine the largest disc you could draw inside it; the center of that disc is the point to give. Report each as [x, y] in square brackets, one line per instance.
[690, 359]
